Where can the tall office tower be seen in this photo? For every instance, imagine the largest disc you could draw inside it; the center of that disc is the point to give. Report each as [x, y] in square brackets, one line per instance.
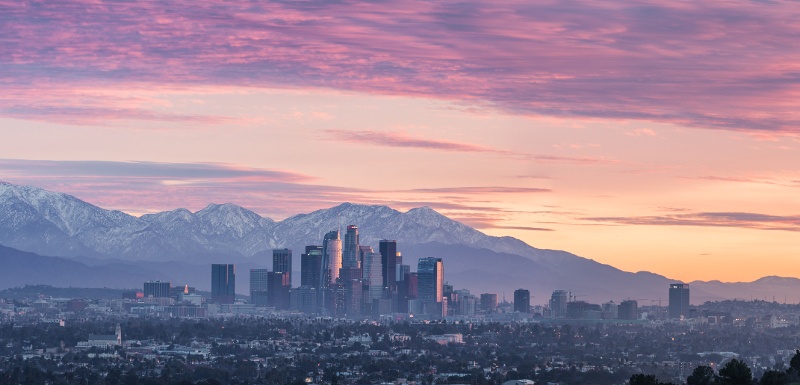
[350, 251]
[467, 303]
[388, 250]
[353, 295]
[282, 262]
[304, 299]
[558, 304]
[331, 257]
[259, 285]
[488, 302]
[401, 304]
[362, 253]
[401, 273]
[310, 267]
[157, 289]
[372, 274]
[628, 310]
[223, 283]
[678, 300]
[413, 285]
[430, 276]
[452, 298]
[279, 284]
[522, 301]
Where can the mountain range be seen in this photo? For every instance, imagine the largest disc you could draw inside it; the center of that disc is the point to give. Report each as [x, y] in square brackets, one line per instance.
[115, 249]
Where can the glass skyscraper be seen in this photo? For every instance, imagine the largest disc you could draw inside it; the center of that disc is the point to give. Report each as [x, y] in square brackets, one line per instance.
[678, 300]
[350, 251]
[430, 284]
[223, 283]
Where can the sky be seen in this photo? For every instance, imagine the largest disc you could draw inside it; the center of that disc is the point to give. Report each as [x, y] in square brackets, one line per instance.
[658, 136]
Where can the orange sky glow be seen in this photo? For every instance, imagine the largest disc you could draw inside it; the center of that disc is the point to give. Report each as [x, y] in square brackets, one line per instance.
[622, 133]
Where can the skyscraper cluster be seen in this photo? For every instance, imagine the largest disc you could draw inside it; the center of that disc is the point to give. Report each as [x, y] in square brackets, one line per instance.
[342, 277]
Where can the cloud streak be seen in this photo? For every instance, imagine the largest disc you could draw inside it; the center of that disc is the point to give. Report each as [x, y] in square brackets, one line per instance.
[710, 219]
[713, 64]
[402, 140]
[390, 139]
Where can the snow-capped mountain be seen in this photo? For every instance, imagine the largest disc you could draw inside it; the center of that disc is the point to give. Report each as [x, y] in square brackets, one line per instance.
[53, 223]
[56, 224]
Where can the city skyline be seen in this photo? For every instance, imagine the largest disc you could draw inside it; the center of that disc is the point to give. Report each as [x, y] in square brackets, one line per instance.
[649, 136]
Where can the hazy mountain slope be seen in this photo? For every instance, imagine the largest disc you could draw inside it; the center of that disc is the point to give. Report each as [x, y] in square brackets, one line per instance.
[19, 268]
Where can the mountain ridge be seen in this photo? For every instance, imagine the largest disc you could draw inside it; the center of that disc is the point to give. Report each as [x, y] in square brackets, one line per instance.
[52, 223]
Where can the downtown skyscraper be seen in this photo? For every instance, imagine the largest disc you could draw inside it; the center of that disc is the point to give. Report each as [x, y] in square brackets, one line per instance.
[331, 257]
[678, 300]
[430, 278]
[223, 283]
[388, 251]
[350, 250]
[311, 267]
[282, 262]
[371, 273]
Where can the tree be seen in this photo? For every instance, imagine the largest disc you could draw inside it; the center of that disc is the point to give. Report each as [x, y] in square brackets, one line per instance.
[702, 375]
[735, 372]
[794, 364]
[773, 377]
[643, 379]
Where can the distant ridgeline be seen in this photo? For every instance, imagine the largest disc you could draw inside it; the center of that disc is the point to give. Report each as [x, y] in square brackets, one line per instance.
[33, 291]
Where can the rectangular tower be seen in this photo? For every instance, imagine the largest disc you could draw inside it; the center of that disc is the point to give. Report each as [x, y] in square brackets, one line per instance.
[522, 301]
[259, 285]
[223, 283]
[282, 262]
[157, 289]
[388, 250]
[350, 250]
[678, 300]
[311, 267]
[430, 278]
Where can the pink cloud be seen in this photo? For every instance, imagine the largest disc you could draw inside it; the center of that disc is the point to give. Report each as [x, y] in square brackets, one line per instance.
[714, 64]
[401, 140]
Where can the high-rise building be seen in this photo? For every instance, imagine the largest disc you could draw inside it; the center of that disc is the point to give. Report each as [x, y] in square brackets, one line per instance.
[282, 262]
[259, 286]
[610, 310]
[467, 303]
[350, 250]
[310, 267]
[558, 304]
[223, 283]
[413, 285]
[371, 273]
[157, 289]
[678, 300]
[522, 301]
[488, 302]
[278, 295]
[388, 250]
[430, 277]
[628, 310]
[403, 277]
[331, 257]
[304, 299]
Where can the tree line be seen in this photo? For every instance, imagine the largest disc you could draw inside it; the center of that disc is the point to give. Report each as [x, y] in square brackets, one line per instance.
[734, 372]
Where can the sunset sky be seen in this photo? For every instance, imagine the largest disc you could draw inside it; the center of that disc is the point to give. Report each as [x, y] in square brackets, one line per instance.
[659, 136]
